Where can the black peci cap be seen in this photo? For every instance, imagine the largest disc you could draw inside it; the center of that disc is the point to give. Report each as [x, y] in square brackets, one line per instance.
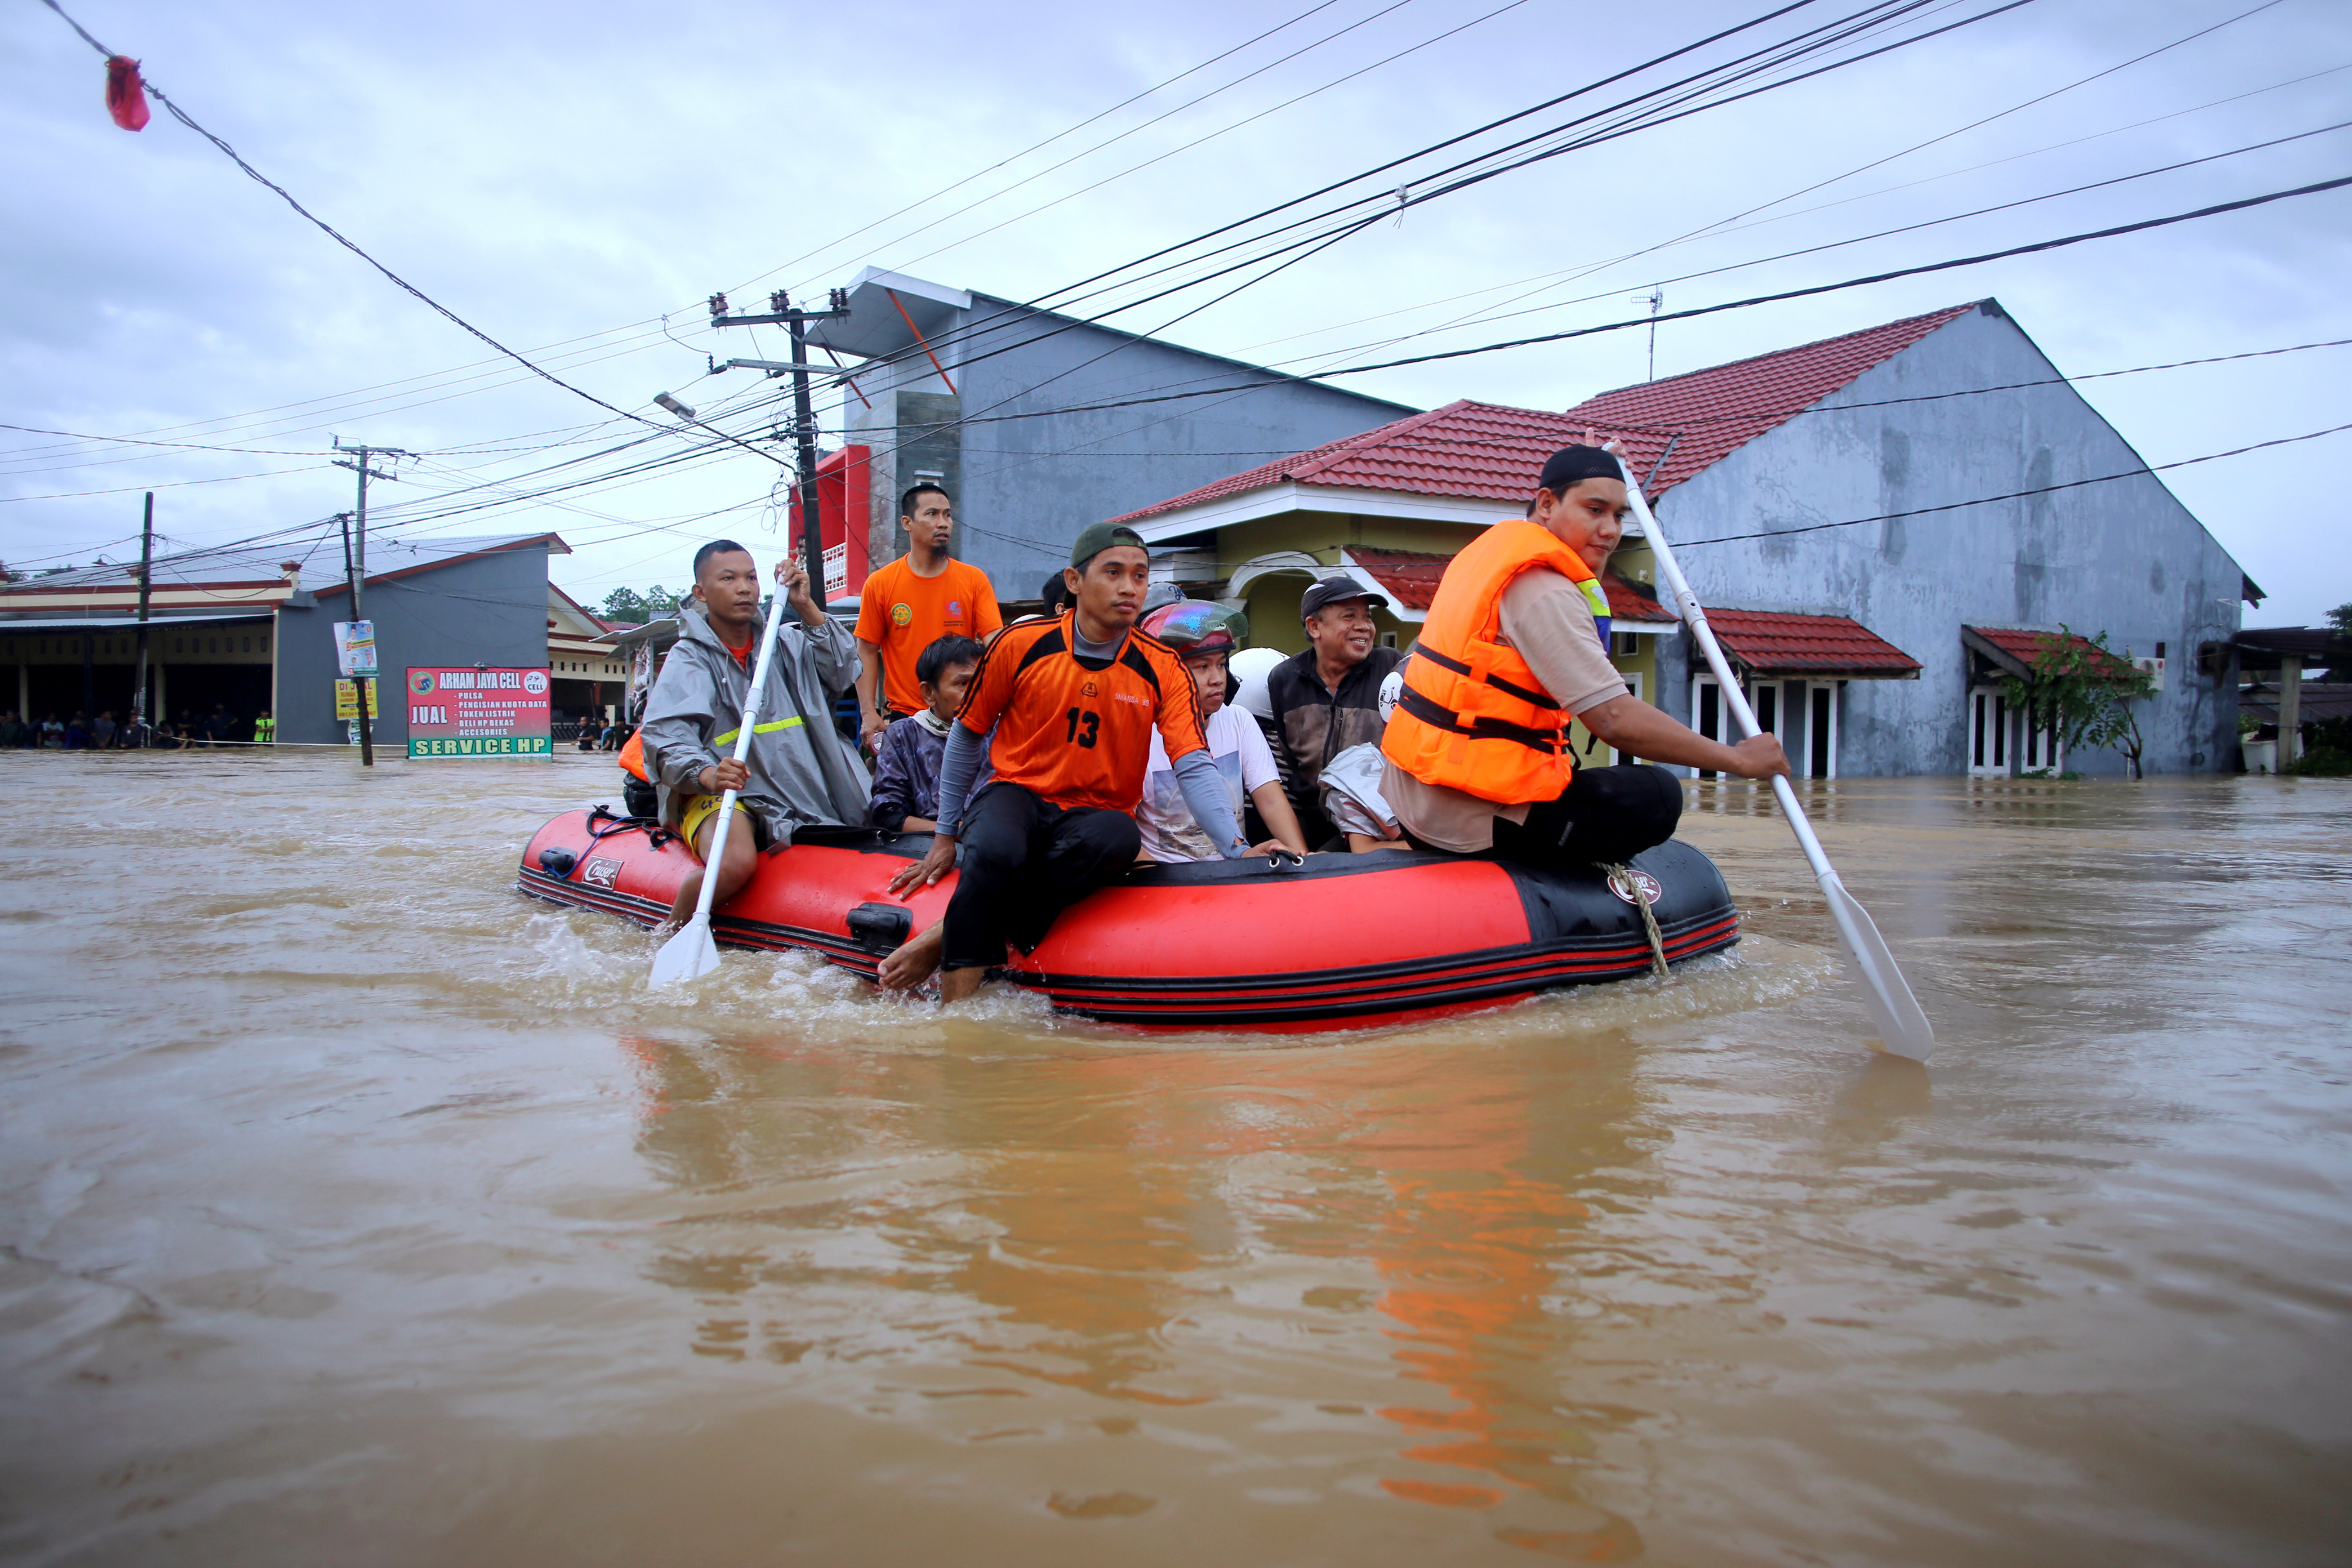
[1332, 590]
[1571, 465]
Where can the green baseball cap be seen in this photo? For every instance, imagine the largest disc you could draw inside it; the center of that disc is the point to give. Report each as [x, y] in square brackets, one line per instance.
[1092, 542]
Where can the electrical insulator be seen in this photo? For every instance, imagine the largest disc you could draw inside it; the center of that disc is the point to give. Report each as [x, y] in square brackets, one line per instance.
[718, 304]
[840, 298]
[780, 301]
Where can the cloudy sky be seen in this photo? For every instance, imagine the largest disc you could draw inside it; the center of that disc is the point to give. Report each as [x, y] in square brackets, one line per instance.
[574, 179]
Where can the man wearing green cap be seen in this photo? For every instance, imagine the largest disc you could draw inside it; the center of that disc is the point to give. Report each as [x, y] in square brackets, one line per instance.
[1074, 702]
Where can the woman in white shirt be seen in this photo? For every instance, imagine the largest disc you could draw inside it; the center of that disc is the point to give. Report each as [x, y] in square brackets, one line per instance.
[1204, 636]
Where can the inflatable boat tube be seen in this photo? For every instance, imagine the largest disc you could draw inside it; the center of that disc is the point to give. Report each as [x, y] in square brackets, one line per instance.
[1341, 941]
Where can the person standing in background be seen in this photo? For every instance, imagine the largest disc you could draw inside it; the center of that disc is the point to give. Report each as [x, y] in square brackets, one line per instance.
[265, 729]
[103, 732]
[910, 603]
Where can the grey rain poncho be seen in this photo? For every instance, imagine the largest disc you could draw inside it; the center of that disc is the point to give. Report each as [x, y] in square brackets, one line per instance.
[802, 772]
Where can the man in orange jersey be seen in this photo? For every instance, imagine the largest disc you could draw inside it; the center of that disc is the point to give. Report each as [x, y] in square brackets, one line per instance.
[1073, 701]
[1516, 645]
[910, 604]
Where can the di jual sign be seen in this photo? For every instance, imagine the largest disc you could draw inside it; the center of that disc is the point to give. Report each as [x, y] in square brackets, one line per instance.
[467, 712]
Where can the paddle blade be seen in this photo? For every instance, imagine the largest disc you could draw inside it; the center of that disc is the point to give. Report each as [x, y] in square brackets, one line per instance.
[688, 955]
[1902, 1028]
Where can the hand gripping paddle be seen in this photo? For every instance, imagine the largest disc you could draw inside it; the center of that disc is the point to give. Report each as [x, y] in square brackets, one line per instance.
[691, 953]
[1902, 1026]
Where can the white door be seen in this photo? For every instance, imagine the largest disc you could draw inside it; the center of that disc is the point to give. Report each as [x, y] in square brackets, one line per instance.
[1988, 733]
[1802, 714]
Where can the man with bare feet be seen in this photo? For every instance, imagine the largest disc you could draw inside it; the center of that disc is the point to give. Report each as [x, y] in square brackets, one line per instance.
[797, 771]
[1074, 702]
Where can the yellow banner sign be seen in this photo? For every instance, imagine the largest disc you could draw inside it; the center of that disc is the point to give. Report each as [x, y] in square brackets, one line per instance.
[347, 700]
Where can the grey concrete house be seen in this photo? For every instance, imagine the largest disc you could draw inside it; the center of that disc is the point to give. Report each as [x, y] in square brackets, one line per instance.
[251, 627]
[1881, 524]
[1006, 407]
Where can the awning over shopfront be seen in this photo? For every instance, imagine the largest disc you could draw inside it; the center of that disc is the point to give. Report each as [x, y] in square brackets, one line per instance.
[119, 623]
[1825, 647]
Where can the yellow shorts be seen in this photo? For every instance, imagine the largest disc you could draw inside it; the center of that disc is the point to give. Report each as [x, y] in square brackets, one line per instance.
[703, 808]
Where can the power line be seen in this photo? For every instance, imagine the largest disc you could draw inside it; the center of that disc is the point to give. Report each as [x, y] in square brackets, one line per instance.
[1827, 36]
[2039, 245]
[329, 229]
[2145, 470]
[1374, 172]
[1038, 146]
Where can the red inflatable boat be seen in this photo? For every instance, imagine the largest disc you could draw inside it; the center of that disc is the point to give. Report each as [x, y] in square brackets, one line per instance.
[1343, 941]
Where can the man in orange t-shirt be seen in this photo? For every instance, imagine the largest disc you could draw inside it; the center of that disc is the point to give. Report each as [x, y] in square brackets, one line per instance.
[910, 603]
[1072, 703]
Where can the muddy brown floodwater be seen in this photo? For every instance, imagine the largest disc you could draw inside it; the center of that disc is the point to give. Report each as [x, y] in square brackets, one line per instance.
[357, 1210]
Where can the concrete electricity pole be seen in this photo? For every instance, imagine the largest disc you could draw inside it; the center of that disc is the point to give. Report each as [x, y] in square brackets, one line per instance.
[355, 567]
[781, 312]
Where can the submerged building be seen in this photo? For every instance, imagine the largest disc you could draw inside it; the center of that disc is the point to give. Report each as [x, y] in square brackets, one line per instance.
[1881, 526]
[251, 627]
[1037, 423]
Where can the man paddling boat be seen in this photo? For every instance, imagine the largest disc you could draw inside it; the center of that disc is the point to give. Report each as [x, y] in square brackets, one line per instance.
[797, 771]
[1073, 704]
[1515, 646]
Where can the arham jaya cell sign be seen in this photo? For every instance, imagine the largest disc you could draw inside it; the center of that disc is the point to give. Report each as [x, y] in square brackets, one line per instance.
[467, 712]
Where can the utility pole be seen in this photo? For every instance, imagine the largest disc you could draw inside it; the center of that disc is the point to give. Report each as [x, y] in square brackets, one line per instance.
[1656, 300]
[355, 568]
[146, 561]
[781, 312]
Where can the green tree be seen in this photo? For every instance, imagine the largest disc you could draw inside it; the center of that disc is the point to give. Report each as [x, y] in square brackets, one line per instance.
[2083, 690]
[2340, 617]
[626, 606]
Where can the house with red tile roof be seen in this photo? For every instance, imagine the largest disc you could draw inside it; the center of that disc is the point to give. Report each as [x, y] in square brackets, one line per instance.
[1843, 507]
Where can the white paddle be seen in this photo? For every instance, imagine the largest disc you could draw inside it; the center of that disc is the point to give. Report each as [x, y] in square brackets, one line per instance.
[1902, 1026]
[691, 953]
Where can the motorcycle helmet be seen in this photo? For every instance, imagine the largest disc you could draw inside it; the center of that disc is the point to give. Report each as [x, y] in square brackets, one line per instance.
[1196, 626]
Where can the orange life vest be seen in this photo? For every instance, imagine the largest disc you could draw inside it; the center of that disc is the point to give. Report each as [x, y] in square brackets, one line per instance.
[632, 755]
[1473, 716]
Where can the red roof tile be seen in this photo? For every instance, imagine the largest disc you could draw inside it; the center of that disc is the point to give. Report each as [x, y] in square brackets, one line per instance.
[2025, 645]
[1410, 578]
[1771, 643]
[1707, 414]
[1484, 450]
[1409, 575]
[1495, 452]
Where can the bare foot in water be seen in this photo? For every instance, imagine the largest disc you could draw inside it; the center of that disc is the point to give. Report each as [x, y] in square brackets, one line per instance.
[956, 985]
[914, 961]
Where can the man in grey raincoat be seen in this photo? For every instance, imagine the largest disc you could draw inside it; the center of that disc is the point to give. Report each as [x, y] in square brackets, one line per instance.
[797, 773]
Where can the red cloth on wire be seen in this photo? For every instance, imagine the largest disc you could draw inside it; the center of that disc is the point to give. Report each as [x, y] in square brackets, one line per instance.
[126, 96]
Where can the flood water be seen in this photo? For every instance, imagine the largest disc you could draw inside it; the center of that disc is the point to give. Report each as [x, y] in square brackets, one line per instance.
[354, 1209]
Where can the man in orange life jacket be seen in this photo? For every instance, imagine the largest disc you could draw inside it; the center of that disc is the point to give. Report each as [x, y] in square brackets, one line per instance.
[1516, 645]
[1073, 702]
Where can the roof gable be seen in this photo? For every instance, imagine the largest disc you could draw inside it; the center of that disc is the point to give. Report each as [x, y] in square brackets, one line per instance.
[1495, 452]
[1699, 420]
[1487, 451]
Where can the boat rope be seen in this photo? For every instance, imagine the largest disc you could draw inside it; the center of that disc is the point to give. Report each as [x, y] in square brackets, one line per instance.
[1627, 884]
[604, 822]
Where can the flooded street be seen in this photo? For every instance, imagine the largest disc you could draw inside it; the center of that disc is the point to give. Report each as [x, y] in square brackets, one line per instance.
[358, 1210]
